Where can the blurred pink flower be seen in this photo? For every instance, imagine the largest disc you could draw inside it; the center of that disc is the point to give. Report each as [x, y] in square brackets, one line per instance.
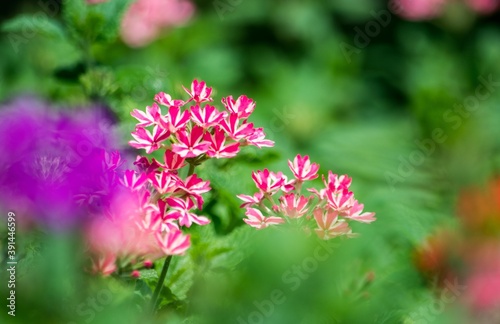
[483, 282]
[483, 6]
[145, 19]
[419, 9]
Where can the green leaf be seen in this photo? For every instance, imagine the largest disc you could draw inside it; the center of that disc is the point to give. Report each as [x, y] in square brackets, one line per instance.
[95, 23]
[29, 26]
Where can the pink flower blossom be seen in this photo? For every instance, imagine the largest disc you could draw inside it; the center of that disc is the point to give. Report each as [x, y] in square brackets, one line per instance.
[257, 220]
[173, 162]
[484, 6]
[217, 148]
[164, 182]
[173, 242]
[199, 92]
[293, 206]
[340, 201]
[329, 224]
[192, 144]
[175, 120]
[268, 182]
[181, 210]
[195, 187]
[104, 265]
[419, 10]
[355, 213]
[149, 117]
[251, 200]
[206, 117]
[145, 20]
[133, 180]
[303, 169]
[166, 100]
[144, 165]
[243, 106]
[257, 138]
[150, 142]
[232, 126]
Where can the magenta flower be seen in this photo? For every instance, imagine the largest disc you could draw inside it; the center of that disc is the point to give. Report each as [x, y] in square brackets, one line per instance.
[166, 100]
[302, 168]
[243, 106]
[217, 147]
[340, 201]
[191, 145]
[175, 120]
[57, 164]
[134, 181]
[181, 210]
[233, 128]
[147, 140]
[164, 182]
[206, 117]
[199, 92]
[173, 162]
[257, 220]
[251, 200]
[149, 117]
[268, 182]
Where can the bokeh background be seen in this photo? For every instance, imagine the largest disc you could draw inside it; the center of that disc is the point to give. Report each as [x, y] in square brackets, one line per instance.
[402, 96]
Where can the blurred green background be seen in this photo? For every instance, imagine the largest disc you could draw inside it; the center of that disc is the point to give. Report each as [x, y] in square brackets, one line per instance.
[386, 114]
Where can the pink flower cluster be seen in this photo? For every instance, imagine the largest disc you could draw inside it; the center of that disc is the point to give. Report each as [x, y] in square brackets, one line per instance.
[327, 210]
[429, 9]
[145, 220]
[200, 131]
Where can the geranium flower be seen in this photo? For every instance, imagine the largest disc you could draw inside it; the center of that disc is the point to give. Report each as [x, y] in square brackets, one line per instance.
[293, 206]
[206, 117]
[303, 169]
[181, 210]
[199, 92]
[217, 148]
[173, 242]
[149, 117]
[150, 142]
[242, 107]
[329, 224]
[257, 220]
[191, 144]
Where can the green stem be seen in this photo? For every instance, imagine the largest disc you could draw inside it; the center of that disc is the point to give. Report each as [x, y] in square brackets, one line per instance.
[191, 169]
[164, 270]
[159, 286]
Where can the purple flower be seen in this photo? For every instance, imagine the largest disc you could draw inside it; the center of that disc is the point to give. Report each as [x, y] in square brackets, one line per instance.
[57, 167]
